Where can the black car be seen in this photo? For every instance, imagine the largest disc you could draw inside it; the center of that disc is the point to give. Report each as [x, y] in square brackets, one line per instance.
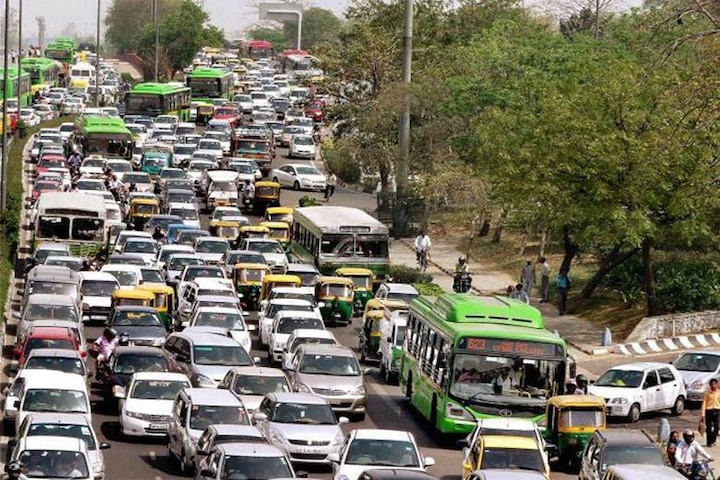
[142, 325]
[127, 360]
[617, 447]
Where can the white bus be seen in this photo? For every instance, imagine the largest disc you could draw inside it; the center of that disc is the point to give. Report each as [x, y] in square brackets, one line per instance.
[335, 237]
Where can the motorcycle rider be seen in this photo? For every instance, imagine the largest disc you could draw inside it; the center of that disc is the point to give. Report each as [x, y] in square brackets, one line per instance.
[248, 192]
[104, 346]
[582, 384]
[688, 453]
[462, 272]
[14, 471]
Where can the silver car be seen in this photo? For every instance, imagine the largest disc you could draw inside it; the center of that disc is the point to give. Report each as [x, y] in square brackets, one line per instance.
[301, 424]
[332, 372]
[251, 384]
[696, 368]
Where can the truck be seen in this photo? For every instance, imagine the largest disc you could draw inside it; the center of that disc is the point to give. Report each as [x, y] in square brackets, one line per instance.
[221, 187]
[255, 143]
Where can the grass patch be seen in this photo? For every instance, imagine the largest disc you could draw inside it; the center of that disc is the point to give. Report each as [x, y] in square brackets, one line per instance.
[10, 219]
[605, 308]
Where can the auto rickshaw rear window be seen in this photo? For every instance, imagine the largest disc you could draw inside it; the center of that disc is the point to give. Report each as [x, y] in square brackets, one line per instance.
[582, 417]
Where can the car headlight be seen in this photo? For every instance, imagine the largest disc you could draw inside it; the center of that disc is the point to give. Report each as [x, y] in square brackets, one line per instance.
[158, 342]
[277, 437]
[339, 439]
[619, 401]
[302, 388]
[343, 477]
[359, 390]
[205, 381]
[98, 468]
[137, 415]
[698, 385]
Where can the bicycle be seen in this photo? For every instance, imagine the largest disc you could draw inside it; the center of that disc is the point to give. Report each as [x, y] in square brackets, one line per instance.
[423, 260]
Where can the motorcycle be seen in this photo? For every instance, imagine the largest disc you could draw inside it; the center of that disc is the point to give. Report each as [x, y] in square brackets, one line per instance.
[462, 282]
[698, 470]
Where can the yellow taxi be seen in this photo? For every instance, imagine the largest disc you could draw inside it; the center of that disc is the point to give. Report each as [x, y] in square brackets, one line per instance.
[506, 452]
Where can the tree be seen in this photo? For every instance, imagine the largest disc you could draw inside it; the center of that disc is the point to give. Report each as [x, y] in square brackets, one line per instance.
[319, 26]
[125, 18]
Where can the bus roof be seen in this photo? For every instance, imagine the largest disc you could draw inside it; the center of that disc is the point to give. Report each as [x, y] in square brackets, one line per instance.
[159, 88]
[206, 72]
[334, 218]
[101, 124]
[259, 44]
[470, 309]
[71, 201]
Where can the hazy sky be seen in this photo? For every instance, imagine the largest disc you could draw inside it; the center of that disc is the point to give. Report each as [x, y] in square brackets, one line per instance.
[231, 15]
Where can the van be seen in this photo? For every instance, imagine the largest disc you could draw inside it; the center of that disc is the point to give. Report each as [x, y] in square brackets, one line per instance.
[193, 411]
[642, 472]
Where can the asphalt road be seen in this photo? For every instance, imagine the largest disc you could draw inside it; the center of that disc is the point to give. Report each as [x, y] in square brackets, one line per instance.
[148, 459]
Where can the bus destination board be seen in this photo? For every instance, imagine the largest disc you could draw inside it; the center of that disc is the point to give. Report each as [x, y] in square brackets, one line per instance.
[511, 348]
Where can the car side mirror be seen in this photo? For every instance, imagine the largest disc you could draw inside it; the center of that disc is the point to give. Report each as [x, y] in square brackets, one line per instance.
[429, 461]
[463, 443]
[343, 420]
[207, 472]
[302, 474]
[16, 314]
[333, 458]
[256, 359]
[259, 417]
[104, 446]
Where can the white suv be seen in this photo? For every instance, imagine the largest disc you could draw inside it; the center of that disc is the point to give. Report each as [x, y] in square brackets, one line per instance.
[635, 388]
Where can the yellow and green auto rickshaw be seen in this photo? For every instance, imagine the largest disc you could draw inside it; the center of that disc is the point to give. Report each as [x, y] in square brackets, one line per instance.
[140, 211]
[227, 229]
[571, 420]
[279, 231]
[369, 336]
[274, 280]
[248, 280]
[205, 112]
[253, 231]
[380, 305]
[363, 279]
[276, 214]
[134, 297]
[164, 301]
[267, 194]
[337, 295]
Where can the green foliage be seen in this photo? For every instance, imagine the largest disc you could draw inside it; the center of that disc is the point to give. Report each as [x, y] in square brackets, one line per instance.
[125, 18]
[688, 286]
[407, 274]
[308, 201]
[319, 26]
[341, 163]
[431, 289]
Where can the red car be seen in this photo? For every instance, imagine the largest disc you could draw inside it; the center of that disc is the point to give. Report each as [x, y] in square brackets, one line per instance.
[42, 186]
[315, 111]
[50, 160]
[47, 337]
[230, 114]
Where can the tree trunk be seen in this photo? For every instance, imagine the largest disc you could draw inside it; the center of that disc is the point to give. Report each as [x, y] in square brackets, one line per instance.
[571, 249]
[523, 242]
[612, 260]
[543, 241]
[497, 234]
[650, 285]
[484, 228]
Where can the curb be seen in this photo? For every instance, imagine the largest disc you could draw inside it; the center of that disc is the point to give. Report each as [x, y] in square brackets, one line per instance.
[664, 345]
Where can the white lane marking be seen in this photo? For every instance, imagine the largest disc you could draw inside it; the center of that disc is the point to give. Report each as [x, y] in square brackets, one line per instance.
[715, 337]
[670, 344]
[624, 350]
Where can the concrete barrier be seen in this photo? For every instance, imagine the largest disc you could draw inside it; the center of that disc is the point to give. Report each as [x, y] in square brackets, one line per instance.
[675, 325]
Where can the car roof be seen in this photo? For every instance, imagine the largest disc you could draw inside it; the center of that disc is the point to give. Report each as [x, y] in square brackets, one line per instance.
[234, 429]
[55, 323]
[289, 301]
[507, 423]
[296, 314]
[169, 376]
[212, 396]
[493, 474]
[135, 308]
[52, 442]
[312, 333]
[137, 350]
[258, 371]
[50, 331]
[250, 450]
[632, 470]
[50, 299]
[98, 276]
[204, 338]
[381, 434]
[302, 290]
[296, 397]
[509, 441]
[400, 287]
[57, 380]
[219, 309]
[301, 267]
[55, 352]
[639, 366]
[626, 436]
[324, 349]
[400, 474]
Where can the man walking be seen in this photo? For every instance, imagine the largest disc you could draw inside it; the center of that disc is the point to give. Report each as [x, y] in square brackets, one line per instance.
[544, 280]
[710, 412]
[330, 186]
[527, 277]
[562, 282]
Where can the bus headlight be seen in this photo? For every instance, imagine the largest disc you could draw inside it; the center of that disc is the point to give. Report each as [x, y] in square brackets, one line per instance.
[457, 412]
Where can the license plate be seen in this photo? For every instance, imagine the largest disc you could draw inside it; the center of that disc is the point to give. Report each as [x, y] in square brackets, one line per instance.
[159, 426]
[307, 450]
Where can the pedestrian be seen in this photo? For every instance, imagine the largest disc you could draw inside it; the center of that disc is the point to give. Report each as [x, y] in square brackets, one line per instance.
[520, 294]
[527, 277]
[562, 283]
[509, 291]
[330, 186]
[544, 280]
[13, 55]
[710, 412]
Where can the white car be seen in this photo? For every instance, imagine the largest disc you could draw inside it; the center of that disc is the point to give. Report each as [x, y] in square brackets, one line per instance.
[198, 166]
[245, 102]
[29, 116]
[139, 133]
[271, 250]
[284, 324]
[141, 180]
[268, 310]
[69, 456]
[145, 248]
[299, 177]
[302, 146]
[635, 388]
[366, 449]
[222, 137]
[187, 211]
[230, 319]
[259, 99]
[212, 249]
[146, 403]
[119, 167]
[288, 132]
[211, 145]
[306, 123]
[92, 166]
[182, 153]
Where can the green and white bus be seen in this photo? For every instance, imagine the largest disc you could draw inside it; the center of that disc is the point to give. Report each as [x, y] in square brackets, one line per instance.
[104, 136]
[19, 88]
[153, 99]
[210, 83]
[44, 72]
[334, 237]
[468, 357]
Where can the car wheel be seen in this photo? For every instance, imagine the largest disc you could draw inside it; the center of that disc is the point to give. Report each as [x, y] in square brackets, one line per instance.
[679, 406]
[634, 413]
[296, 185]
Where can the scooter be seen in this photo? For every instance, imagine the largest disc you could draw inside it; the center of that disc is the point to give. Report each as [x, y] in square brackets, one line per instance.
[698, 470]
[462, 282]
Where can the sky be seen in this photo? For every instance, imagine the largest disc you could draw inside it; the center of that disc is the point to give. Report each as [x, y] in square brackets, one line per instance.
[231, 15]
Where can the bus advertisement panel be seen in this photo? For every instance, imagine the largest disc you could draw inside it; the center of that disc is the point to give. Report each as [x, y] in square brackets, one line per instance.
[467, 358]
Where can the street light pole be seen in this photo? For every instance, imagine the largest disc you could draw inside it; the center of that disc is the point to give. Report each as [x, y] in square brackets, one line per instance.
[597, 18]
[20, 49]
[401, 170]
[3, 170]
[155, 18]
[299, 24]
[97, 58]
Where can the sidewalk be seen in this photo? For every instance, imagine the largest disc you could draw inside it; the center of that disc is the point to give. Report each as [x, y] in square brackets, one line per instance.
[581, 334]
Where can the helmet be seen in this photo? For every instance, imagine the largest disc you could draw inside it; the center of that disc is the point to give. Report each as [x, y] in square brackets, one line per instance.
[581, 379]
[461, 260]
[14, 466]
[110, 333]
[688, 435]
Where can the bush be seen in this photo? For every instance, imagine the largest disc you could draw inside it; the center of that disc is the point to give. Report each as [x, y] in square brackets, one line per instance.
[406, 274]
[308, 201]
[432, 289]
[343, 165]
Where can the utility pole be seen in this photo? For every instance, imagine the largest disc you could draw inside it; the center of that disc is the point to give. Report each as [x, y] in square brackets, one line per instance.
[20, 52]
[97, 58]
[155, 16]
[401, 169]
[597, 19]
[41, 33]
[3, 170]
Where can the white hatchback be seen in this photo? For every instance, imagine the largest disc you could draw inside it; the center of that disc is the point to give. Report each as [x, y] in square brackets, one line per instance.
[146, 405]
[635, 388]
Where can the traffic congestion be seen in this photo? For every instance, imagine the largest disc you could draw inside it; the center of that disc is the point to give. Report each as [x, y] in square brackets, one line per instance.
[200, 303]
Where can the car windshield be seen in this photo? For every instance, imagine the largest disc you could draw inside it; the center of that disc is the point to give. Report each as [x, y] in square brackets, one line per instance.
[131, 363]
[184, 150]
[256, 468]
[193, 273]
[199, 166]
[620, 378]
[267, 247]
[141, 247]
[385, 453]
[236, 257]
[184, 213]
[345, 366]
[71, 263]
[156, 389]
[59, 364]
[303, 414]
[79, 431]
[308, 171]
[125, 318]
[311, 340]
[308, 297]
[221, 355]
[120, 166]
[303, 140]
[178, 263]
[289, 324]
[622, 454]
[61, 343]
[51, 312]
[152, 275]
[698, 362]
[55, 400]
[93, 162]
[214, 246]
[582, 417]
[228, 320]
[124, 278]
[512, 459]
[171, 172]
[202, 416]
[54, 464]
[130, 178]
[259, 384]
[404, 297]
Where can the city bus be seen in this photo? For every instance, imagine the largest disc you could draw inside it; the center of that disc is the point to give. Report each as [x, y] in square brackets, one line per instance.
[73, 218]
[259, 49]
[16, 88]
[44, 72]
[62, 50]
[332, 237]
[298, 64]
[103, 135]
[153, 99]
[209, 83]
[467, 358]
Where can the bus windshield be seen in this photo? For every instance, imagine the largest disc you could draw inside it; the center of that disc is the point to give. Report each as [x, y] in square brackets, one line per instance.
[204, 87]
